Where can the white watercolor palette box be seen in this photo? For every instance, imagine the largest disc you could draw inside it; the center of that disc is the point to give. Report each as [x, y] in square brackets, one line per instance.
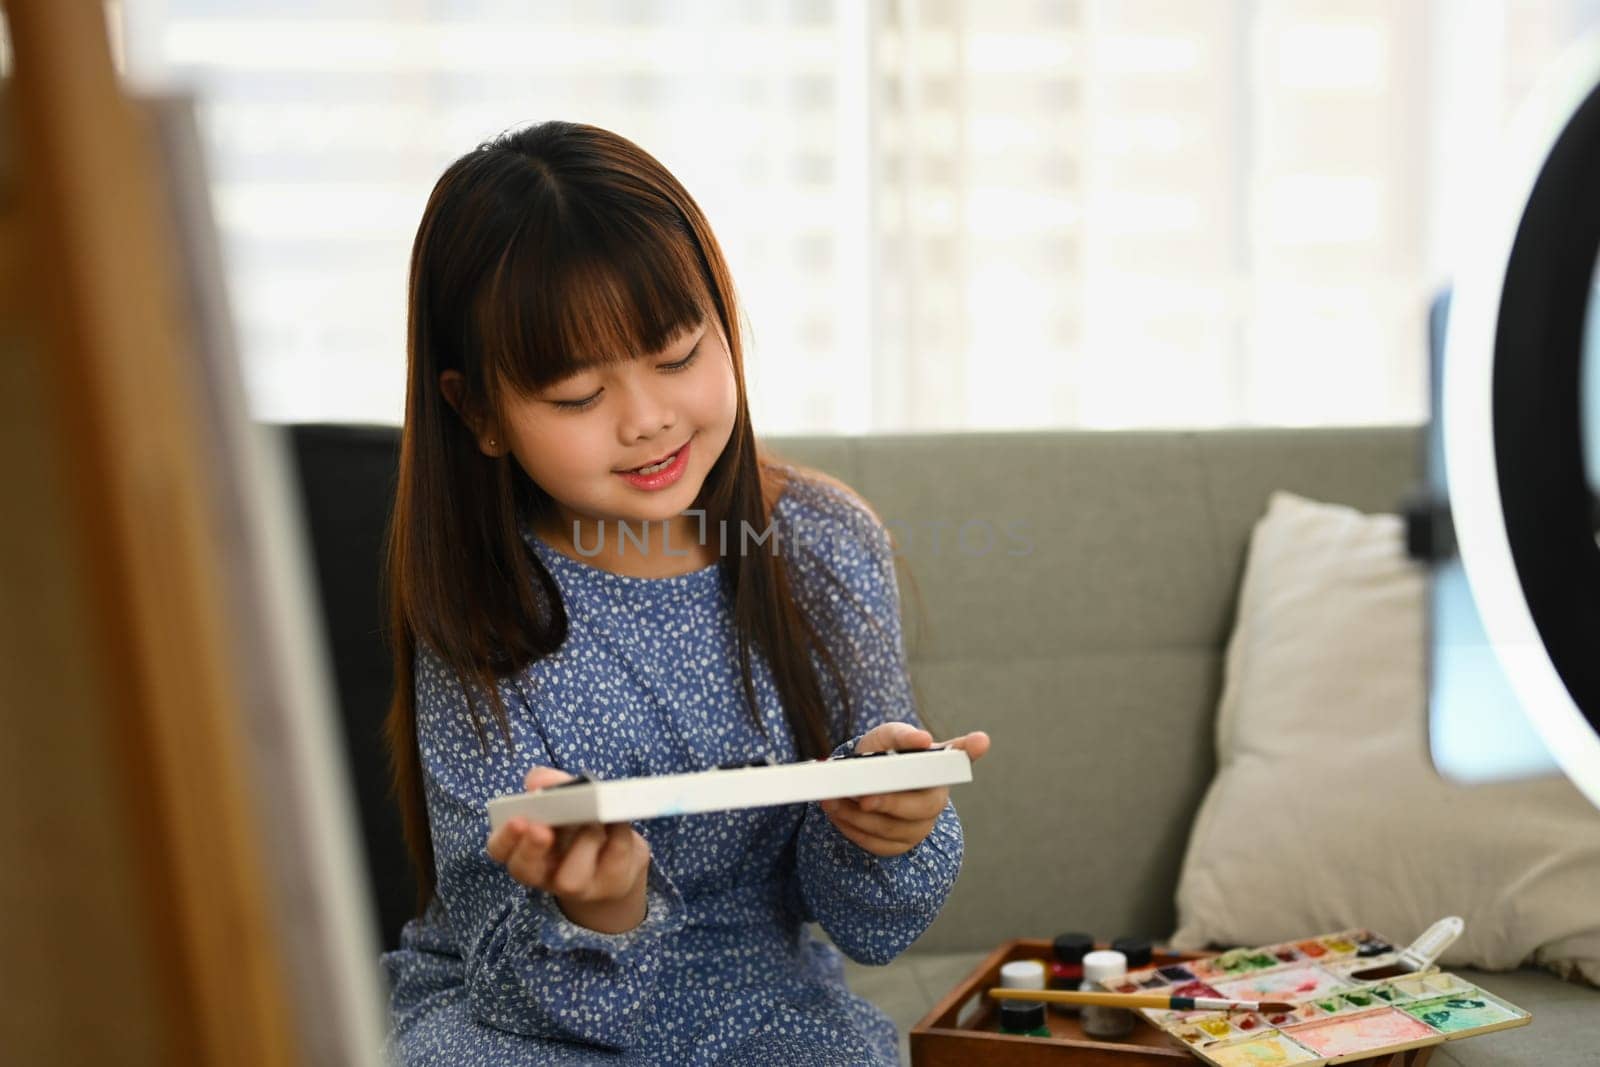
[1352, 1000]
[584, 800]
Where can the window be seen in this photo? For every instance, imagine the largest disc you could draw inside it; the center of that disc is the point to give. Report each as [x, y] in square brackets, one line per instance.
[940, 215]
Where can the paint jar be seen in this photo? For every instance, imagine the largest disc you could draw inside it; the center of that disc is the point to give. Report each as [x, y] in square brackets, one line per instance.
[1022, 974]
[1099, 969]
[1137, 950]
[1066, 970]
[1024, 1018]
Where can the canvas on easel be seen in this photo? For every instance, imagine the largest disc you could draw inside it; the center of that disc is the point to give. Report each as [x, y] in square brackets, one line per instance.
[179, 862]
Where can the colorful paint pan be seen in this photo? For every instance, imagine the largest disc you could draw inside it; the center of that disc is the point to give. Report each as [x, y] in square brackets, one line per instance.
[1372, 946]
[1465, 1011]
[1411, 987]
[1196, 989]
[1234, 962]
[1303, 1013]
[1288, 983]
[1268, 1049]
[1385, 1028]
[1337, 1016]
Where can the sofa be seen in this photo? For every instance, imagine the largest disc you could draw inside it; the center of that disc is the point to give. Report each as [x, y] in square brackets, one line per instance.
[1072, 594]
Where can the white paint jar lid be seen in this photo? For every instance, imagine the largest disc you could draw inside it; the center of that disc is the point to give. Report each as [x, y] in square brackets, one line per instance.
[1022, 974]
[1106, 963]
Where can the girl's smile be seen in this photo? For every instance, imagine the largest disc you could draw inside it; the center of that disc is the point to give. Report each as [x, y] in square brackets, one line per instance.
[658, 474]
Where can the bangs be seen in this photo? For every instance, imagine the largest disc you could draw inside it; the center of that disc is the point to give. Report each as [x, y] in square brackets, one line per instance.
[570, 294]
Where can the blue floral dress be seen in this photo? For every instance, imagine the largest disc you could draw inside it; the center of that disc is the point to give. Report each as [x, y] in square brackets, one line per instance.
[723, 968]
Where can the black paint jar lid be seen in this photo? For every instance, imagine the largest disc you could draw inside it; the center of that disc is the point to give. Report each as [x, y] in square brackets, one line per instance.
[1137, 949]
[1071, 948]
[1021, 1014]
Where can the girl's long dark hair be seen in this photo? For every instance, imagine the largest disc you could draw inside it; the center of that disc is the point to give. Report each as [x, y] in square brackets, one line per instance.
[545, 250]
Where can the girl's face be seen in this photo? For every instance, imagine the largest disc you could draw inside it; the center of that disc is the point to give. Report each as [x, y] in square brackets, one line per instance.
[576, 437]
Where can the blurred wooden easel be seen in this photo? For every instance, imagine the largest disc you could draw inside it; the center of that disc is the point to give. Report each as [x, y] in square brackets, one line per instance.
[176, 878]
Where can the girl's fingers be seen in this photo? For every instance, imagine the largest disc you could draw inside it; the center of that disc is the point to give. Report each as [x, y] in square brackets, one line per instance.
[916, 804]
[576, 872]
[501, 842]
[893, 737]
[902, 736]
[505, 841]
[616, 853]
[900, 831]
[529, 855]
[531, 865]
[974, 744]
[543, 777]
[568, 860]
[875, 845]
[565, 835]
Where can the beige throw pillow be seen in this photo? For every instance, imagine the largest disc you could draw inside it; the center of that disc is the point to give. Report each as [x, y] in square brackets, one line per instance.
[1326, 812]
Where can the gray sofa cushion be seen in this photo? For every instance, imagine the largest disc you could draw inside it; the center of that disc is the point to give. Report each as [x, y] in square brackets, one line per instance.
[1094, 660]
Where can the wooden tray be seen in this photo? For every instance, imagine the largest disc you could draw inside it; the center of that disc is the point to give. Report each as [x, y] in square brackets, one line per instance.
[962, 1030]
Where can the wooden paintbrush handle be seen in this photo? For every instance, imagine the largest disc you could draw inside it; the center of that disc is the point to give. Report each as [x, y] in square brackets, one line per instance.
[1063, 996]
[1137, 1000]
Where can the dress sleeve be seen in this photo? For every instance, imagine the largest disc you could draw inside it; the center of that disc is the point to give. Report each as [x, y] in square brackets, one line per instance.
[872, 907]
[529, 969]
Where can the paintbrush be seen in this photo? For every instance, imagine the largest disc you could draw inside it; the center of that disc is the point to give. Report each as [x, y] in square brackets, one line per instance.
[1139, 1000]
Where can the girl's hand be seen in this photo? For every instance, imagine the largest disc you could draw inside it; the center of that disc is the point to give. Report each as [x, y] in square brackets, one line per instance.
[595, 871]
[887, 824]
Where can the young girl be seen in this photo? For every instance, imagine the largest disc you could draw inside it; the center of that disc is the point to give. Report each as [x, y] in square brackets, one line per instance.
[594, 569]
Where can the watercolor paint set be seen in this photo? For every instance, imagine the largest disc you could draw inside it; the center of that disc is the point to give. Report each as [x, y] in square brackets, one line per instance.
[1292, 971]
[1353, 995]
[1375, 1019]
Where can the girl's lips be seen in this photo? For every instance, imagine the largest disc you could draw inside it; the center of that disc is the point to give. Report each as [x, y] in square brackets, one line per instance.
[664, 477]
[649, 463]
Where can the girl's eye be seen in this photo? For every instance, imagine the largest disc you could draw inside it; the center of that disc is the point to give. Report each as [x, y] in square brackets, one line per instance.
[577, 405]
[589, 402]
[681, 364]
